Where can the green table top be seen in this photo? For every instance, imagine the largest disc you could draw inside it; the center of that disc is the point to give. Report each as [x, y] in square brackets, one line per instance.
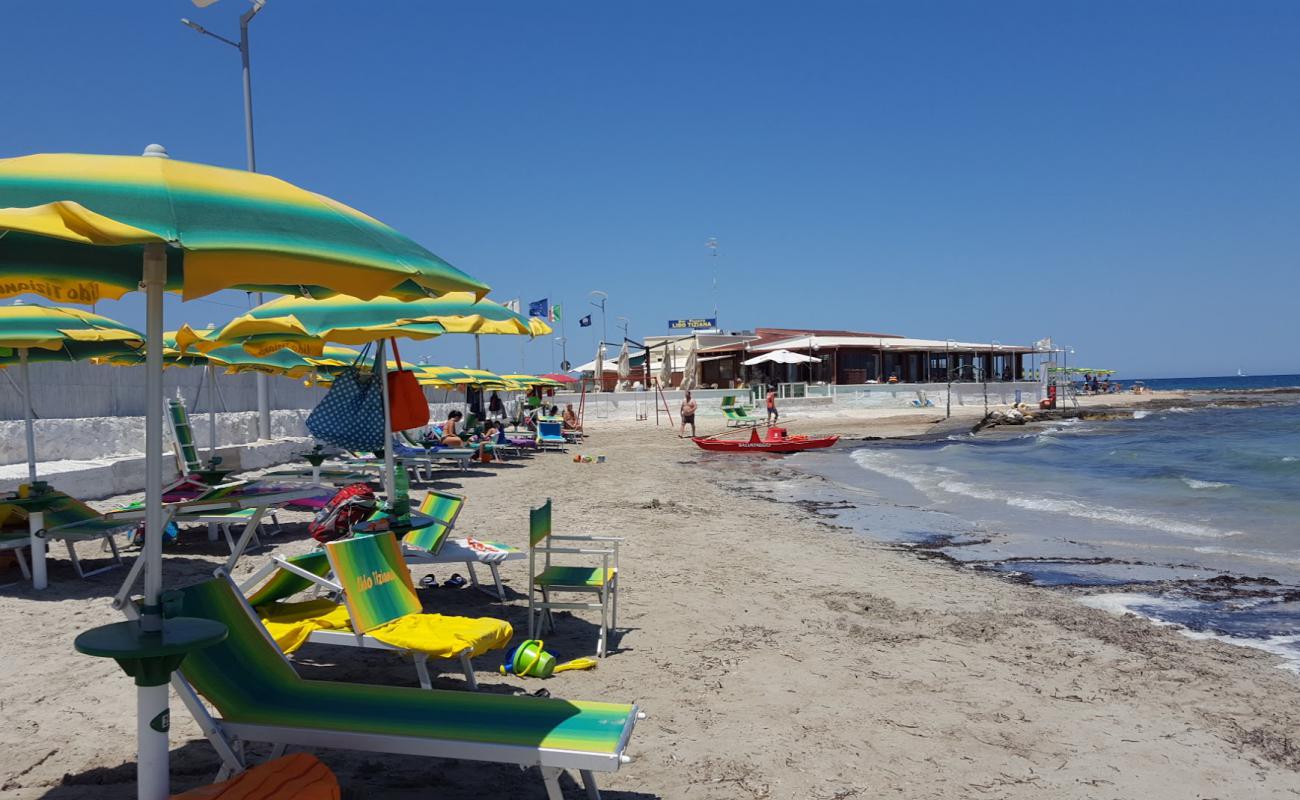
[126, 640]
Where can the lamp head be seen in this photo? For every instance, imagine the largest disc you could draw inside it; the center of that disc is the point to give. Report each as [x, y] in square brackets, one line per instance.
[189, 23]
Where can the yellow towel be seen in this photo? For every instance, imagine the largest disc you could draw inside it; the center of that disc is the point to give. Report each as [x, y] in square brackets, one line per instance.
[291, 624]
[444, 637]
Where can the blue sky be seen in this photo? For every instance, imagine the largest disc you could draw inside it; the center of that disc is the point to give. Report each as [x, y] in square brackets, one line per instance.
[1121, 176]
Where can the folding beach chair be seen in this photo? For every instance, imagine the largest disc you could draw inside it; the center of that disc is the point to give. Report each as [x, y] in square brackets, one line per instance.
[258, 697]
[375, 614]
[432, 543]
[550, 436]
[66, 519]
[552, 578]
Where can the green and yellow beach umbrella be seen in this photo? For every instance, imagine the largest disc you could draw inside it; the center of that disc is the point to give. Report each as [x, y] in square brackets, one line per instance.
[32, 332]
[305, 325]
[81, 228]
[76, 226]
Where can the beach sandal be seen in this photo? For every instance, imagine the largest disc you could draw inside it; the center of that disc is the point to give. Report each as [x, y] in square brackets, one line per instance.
[455, 581]
[429, 582]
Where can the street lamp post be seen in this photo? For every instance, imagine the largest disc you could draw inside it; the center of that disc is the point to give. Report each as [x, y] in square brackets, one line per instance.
[564, 353]
[263, 391]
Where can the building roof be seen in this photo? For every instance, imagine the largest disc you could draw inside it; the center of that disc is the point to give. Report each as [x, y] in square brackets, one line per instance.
[827, 342]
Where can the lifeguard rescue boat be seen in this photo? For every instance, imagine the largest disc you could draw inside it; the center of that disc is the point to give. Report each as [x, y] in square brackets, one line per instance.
[776, 441]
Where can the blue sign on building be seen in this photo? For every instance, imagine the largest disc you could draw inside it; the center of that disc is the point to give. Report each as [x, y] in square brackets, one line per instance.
[692, 324]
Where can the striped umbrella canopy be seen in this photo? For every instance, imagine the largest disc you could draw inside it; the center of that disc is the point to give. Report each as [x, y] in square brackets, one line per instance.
[77, 225]
[81, 228]
[33, 332]
[232, 359]
[558, 379]
[530, 380]
[304, 325]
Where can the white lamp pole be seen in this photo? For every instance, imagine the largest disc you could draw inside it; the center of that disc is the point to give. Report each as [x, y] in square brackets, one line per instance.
[263, 389]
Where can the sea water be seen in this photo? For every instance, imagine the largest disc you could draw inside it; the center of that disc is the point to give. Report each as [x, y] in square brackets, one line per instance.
[1189, 516]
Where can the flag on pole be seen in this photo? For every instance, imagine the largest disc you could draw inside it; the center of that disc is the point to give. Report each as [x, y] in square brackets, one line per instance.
[585, 322]
[512, 305]
[555, 313]
[539, 308]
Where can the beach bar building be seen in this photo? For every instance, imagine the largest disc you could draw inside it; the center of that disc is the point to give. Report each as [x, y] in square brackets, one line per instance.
[843, 358]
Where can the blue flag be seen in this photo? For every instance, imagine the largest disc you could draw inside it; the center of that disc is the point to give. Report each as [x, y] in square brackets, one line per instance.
[585, 322]
[539, 308]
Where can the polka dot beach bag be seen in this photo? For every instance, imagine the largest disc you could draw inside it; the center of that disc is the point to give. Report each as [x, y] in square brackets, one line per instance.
[351, 415]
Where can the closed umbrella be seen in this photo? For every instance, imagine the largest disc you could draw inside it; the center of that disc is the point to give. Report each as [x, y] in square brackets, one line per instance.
[624, 366]
[32, 332]
[666, 370]
[81, 228]
[688, 372]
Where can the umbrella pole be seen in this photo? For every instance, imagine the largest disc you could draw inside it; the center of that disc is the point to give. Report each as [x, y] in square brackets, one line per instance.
[35, 519]
[212, 413]
[152, 779]
[27, 415]
[390, 481]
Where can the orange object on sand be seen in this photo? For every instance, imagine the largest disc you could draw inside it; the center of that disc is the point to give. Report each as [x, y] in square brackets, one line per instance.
[300, 776]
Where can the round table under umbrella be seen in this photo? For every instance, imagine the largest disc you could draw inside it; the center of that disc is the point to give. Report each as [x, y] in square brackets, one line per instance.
[82, 228]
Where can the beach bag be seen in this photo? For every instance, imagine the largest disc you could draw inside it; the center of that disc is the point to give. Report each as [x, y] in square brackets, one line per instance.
[406, 404]
[352, 504]
[351, 415]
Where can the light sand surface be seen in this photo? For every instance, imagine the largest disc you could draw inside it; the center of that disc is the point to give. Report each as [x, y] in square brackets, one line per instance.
[777, 657]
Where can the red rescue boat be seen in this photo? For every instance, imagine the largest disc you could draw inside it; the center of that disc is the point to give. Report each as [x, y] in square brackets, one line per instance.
[777, 441]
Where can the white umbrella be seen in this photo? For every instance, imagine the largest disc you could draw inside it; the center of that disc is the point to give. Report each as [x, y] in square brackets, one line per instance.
[688, 372]
[666, 371]
[782, 357]
[624, 365]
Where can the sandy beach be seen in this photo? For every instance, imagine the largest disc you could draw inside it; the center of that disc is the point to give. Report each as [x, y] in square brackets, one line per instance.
[776, 655]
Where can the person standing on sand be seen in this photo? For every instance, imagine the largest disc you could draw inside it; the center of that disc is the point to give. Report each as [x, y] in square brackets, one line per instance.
[772, 414]
[688, 415]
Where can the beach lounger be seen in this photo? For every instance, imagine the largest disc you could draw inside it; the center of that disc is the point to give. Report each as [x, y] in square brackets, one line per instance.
[553, 578]
[432, 543]
[258, 697]
[373, 614]
[64, 518]
[550, 436]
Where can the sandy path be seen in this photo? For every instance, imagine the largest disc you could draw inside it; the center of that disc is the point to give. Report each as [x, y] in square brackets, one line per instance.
[777, 657]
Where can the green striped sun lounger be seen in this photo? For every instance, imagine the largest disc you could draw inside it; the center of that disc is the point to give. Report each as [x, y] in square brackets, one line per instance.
[340, 569]
[67, 519]
[432, 543]
[258, 697]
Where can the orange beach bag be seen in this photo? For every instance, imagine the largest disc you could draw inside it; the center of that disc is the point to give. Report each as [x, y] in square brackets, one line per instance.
[406, 403]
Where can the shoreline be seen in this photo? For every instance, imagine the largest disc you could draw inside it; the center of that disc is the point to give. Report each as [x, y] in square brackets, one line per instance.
[776, 658]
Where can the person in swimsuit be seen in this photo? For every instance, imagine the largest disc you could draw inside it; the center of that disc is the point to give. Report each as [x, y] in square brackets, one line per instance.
[688, 414]
[449, 437]
[772, 414]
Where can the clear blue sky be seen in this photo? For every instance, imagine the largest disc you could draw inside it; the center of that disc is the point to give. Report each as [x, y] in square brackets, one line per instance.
[1124, 177]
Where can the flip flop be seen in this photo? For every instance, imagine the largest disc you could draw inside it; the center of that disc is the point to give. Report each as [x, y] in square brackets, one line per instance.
[455, 581]
[428, 582]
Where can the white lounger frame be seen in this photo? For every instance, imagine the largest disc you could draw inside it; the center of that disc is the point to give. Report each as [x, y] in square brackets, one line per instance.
[228, 739]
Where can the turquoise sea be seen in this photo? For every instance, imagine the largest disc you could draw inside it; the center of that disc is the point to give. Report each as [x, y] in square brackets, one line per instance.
[1186, 515]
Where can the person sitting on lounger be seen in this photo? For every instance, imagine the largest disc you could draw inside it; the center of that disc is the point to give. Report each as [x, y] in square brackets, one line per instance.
[449, 428]
[570, 419]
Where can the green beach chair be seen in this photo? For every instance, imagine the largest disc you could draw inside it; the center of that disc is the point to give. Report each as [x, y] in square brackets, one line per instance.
[67, 519]
[553, 578]
[370, 605]
[258, 697]
[432, 543]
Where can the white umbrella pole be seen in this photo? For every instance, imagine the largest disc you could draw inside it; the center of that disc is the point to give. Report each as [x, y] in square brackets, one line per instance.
[27, 415]
[212, 412]
[390, 480]
[35, 520]
[152, 779]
